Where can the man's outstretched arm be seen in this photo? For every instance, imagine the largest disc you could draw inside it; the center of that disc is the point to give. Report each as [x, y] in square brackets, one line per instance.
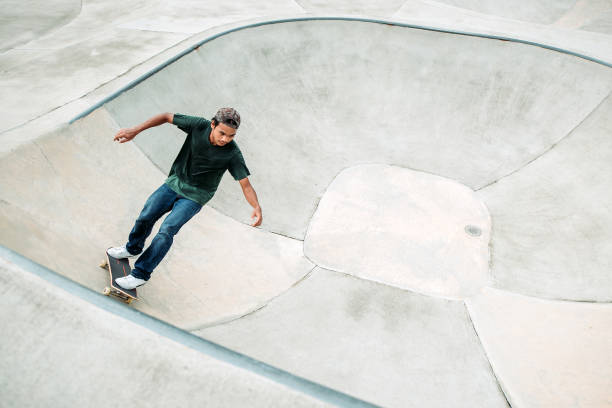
[127, 134]
[251, 197]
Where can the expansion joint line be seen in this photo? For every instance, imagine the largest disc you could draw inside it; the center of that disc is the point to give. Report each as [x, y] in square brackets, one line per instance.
[551, 147]
[255, 310]
[484, 350]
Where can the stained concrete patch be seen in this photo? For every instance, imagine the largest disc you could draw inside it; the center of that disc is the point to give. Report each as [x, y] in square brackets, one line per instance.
[405, 228]
[546, 353]
[381, 344]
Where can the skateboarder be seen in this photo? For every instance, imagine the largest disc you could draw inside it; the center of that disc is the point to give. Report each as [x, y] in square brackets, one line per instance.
[208, 150]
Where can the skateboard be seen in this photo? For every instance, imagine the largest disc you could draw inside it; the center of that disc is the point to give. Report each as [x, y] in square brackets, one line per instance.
[118, 268]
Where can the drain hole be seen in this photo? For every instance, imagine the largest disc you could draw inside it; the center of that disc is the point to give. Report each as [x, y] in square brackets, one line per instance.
[473, 230]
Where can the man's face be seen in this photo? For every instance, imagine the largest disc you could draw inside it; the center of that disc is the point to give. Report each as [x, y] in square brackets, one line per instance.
[221, 134]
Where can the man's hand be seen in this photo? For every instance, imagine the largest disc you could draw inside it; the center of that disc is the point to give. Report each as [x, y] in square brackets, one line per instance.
[125, 135]
[257, 216]
[251, 197]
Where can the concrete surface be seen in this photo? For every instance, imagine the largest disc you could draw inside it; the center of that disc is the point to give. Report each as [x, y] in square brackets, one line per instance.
[21, 22]
[518, 130]
[539, 11]
[382, 344]
[57, 339]
[546, 353]
[406, 229]
[589, 15]
[552, 218]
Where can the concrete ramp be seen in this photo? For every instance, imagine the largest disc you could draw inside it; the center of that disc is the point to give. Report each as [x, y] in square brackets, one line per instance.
[65, 346]
[417, 186]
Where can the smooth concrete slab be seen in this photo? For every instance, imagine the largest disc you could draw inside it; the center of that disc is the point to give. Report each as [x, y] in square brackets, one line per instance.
[356, 7]
[552, 224]
[195, 16]
[407, 229]
[21, 22]
[389, 346]
[590, 15]
[601, 24]
[60, 350]
[595, 15]
[470, 109]
[546, 353]
[69, 196]
[539, 11]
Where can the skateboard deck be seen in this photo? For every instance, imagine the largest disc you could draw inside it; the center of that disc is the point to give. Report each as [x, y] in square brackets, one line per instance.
[118, 268]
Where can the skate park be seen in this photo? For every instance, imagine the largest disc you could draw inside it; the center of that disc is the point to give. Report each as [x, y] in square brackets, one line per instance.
[434, 178]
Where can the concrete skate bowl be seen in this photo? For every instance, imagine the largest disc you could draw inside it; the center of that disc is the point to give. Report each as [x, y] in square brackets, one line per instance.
[437, 212]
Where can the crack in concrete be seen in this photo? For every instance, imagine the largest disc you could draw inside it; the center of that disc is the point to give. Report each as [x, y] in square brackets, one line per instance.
[551, 147]
[3, 132]
[46, 158]
[484, 350]
[256, 309]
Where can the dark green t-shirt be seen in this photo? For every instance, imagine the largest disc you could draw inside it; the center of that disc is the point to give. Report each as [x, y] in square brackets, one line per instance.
[199, 166]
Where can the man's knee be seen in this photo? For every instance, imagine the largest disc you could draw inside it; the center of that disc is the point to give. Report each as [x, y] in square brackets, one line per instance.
[169, 230]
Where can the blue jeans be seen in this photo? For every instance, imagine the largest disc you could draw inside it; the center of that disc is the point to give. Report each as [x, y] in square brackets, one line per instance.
[164, 199]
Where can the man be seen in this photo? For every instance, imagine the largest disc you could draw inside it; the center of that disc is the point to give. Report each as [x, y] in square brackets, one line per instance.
[208, 150]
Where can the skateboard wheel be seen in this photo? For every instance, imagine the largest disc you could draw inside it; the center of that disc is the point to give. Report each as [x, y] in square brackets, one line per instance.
[104, 264]
[106, 291]
[129, 301]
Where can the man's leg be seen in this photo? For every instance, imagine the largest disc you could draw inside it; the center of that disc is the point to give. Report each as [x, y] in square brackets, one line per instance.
[159, 203]
[182, 211]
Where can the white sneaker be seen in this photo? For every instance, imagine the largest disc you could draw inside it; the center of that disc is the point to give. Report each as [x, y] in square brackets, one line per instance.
[130, 282]
[119, 252]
